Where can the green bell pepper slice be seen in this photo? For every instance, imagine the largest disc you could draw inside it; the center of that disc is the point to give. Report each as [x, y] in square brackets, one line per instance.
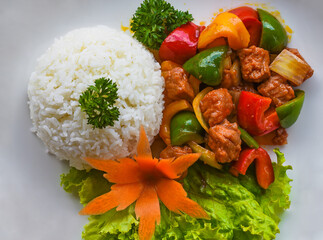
[248, 139]
[185, 127]
[289, 112]
[207, 66]
[274, 36]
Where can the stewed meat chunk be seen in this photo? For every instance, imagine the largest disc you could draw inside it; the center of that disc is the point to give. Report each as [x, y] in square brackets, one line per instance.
[232, 76]
[176, 85]
[216, 106]
[254, 64]
[278, 89]
[280, 137]
[224, 140]
[175, 151]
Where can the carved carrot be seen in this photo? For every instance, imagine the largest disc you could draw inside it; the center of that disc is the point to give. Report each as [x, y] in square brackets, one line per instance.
[145, 180]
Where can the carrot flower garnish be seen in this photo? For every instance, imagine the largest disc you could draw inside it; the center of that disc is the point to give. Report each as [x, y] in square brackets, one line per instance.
[145, 180]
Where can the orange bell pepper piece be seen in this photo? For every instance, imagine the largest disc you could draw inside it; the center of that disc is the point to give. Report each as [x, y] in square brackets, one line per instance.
[169, 65]
[226, 25]
[195, 83]
[168, 113]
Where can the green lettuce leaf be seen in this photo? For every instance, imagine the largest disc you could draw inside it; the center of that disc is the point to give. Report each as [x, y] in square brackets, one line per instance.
[276, 199]
[87, 184]
[238, 207]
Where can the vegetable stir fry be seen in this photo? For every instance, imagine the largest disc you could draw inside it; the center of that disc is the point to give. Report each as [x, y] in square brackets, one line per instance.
[237, 79]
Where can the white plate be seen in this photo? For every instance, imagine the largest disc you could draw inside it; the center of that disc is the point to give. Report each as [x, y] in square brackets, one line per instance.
[33, 206]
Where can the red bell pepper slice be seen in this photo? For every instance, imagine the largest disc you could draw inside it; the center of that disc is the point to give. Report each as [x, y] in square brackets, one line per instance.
[250, 19]
[181, 44]
[254, 115]
[264, 168]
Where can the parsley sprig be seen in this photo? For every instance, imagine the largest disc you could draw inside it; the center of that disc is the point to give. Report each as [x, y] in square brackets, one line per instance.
[154, 20]
[97, 102]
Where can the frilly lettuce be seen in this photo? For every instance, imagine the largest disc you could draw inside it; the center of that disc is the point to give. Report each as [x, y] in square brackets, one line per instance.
[238, 207]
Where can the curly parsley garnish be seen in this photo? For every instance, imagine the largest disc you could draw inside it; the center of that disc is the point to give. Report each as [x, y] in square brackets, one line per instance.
[97, 102]
[154, 20]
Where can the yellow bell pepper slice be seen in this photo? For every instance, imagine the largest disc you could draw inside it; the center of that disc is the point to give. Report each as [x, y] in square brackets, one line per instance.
[168, 113]
[226, 25]
[207, 156]
[197, 109]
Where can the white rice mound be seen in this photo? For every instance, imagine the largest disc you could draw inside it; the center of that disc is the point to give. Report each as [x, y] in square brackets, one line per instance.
[66, 70]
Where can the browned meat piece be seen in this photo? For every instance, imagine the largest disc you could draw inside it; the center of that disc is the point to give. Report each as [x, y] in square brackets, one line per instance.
[254, 64]
[224, 140]
[296, 52]
[231, 76]
[227, 79]
[216, 106]
[174, 151]
[280, 137]
[277, 88]
[249, 87]
[176, 85]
